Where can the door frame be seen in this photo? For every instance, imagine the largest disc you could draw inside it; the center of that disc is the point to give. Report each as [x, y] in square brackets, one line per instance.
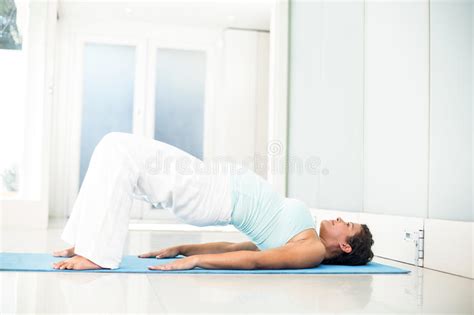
[191, 44]
[143, 108]
[72, 152]
[278, 96]
[65, 177]
[211, 47]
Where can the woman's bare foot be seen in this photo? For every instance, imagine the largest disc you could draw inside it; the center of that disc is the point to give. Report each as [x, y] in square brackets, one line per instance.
[76, 263]
[64, 253]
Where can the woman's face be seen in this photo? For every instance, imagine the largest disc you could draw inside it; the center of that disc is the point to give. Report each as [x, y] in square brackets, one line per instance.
[338, 230]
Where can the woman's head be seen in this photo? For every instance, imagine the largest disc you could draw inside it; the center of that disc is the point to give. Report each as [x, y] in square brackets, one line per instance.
[346, 243]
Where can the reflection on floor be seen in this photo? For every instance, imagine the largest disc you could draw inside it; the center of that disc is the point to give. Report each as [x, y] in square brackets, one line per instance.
[421, 291]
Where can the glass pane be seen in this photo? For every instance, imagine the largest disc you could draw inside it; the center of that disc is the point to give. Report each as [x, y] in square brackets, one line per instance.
[179, 100]
[108, 82]
[13, 91]
[12, 118]
[10, 36]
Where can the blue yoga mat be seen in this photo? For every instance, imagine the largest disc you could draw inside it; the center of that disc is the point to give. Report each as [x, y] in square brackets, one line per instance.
[133, 264]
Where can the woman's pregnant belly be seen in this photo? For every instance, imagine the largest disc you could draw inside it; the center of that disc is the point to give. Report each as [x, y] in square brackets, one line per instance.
[256, 206]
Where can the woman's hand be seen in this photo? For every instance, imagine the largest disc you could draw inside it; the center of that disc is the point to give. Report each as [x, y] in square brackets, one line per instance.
[163, 253]
[179, 264]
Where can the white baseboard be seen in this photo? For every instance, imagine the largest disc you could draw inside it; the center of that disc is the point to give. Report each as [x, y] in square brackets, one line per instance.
[390, 236]
[449, 246]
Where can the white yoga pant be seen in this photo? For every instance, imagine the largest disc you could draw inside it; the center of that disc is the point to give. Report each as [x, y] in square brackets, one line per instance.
[124, 166]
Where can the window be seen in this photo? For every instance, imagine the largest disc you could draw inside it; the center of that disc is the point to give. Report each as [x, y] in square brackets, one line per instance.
[13, 84]
[179, 99]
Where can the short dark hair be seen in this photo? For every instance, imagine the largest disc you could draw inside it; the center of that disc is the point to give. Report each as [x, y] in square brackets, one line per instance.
[361, 253]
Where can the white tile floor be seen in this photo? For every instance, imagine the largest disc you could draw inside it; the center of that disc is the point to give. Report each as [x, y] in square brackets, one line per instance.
[421, 291]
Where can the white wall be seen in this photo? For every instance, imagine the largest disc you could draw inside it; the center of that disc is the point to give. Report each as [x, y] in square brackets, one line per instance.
[451, 117]
[451, 138]
[408, 158]
[326, 104]
[389, 116]
[241, 114]
[396, 108]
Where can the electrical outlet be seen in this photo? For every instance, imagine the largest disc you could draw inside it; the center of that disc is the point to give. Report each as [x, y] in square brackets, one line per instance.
[418, 238]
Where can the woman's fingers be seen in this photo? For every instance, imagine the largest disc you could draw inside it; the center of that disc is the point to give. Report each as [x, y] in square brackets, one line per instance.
[163, 253]
[148, 255]
[180, 264]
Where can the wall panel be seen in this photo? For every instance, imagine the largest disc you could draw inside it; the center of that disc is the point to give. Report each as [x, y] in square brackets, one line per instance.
[326, 104]
[396, 108]
[451, 110]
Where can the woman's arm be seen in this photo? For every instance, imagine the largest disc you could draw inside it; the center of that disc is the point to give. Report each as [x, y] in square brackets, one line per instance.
[215, 248]
[198, 249]
[298, 255]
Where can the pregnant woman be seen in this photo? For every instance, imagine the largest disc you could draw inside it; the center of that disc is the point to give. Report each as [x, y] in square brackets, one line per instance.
[281, 230]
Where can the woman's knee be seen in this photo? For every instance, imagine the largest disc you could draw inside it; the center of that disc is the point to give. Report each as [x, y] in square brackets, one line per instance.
[109, 143]
[113, 137]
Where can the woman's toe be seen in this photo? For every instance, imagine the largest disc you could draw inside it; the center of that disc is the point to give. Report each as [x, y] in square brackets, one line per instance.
[57, 265]
[69, 252]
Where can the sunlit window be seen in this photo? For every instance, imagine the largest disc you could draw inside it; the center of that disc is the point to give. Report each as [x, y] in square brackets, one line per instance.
[10, 36]
[13, 84]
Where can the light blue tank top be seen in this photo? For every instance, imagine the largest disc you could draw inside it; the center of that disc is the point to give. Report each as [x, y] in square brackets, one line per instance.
[267, 218]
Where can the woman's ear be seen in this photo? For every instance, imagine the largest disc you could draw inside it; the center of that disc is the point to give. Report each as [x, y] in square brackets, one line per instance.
[345, 247]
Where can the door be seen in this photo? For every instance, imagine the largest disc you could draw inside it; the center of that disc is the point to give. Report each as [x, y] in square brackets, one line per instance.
[111, 95]
[171, 87]
[106, 80]
[107, 99]
[177, 105]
